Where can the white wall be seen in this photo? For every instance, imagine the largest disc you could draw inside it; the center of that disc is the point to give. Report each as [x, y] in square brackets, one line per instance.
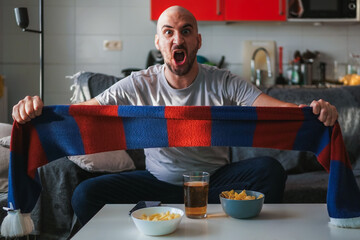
[75, 30]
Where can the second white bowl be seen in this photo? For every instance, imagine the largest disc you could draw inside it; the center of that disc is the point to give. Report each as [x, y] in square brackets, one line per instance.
[156, 228]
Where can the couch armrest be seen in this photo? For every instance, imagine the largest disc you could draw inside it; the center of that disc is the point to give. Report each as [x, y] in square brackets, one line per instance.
[5, 129]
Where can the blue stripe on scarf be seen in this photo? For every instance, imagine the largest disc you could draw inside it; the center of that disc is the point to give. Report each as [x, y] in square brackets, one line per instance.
[314, 128]
[149, 133]
[239, 131]
[60, 120]
[18, 193]
[340, 203]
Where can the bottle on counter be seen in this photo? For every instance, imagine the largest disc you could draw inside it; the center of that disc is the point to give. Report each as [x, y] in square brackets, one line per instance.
[280, 78]
[322, 67]
[296, 75]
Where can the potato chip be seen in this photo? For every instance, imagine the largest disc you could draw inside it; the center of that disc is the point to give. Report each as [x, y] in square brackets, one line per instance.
[238, 196]
[160, 216]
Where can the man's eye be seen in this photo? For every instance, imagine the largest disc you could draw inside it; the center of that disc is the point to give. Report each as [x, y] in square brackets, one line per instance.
[186, 31]
[167, 32]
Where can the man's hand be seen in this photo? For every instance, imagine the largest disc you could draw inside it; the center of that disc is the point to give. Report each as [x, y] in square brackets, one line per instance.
[27, 109]
[327, 112]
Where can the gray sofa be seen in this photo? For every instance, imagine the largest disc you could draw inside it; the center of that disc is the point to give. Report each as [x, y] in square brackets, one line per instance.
[307, 181]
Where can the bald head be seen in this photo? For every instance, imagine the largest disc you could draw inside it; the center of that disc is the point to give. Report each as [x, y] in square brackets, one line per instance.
[176, 13]
[178, 40]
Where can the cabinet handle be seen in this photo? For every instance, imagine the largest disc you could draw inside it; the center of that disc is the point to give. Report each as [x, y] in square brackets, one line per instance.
[218, 11]
[281, 8]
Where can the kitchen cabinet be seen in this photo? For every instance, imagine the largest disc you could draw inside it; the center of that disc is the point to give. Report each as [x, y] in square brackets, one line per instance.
[255, 10]
[226, 10]
[203, 10]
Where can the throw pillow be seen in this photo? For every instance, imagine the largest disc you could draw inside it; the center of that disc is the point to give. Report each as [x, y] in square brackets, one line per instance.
[113, 161]
[5, 141]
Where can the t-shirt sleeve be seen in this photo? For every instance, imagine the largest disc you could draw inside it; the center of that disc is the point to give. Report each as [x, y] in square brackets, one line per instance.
[241, 92]
[117, 94]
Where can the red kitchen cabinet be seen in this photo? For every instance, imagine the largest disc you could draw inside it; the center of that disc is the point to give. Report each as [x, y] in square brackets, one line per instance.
[226, 10]
[203, 10]
[255, 10]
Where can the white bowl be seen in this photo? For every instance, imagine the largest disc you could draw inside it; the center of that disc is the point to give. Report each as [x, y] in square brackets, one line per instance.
[156, 228]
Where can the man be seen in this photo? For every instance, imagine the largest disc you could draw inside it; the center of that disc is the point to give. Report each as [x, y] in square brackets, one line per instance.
[180, 81]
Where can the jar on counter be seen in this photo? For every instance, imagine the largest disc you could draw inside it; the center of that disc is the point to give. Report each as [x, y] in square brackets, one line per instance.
[306, 72]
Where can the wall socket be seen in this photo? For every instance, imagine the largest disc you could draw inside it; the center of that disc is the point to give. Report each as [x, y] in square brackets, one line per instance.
[112, 45]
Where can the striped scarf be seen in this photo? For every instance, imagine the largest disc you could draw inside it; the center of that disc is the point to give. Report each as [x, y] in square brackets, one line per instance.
[77, 130]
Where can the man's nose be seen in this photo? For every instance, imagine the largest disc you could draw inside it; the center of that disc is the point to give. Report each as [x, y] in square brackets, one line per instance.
[178, 38]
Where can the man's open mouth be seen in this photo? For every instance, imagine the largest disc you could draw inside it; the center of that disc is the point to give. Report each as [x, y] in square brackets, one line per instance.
[179, 56]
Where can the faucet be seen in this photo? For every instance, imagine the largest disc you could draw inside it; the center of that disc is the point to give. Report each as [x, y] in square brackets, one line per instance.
[256, 77]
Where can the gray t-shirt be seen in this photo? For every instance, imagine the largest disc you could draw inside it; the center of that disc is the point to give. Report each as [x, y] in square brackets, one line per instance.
[212, 87]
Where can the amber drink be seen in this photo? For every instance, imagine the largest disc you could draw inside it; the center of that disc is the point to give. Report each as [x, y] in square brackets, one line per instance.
[196, 188]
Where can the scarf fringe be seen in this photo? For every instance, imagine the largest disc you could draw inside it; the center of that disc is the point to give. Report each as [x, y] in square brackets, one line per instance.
[16, 224]
[345, 222]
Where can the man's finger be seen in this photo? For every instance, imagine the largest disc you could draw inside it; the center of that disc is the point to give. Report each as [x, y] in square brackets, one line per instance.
[38, 105]
[334, 115]
[23, 116]
[29, 108]
[16, 114]
[316, 107]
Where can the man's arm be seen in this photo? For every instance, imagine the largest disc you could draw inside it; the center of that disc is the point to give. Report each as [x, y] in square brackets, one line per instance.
[92, 101]
[267, 101]
[327, 112]
[31, 107]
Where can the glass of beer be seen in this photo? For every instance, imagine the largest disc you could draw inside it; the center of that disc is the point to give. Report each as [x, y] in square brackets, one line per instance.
[196, 189]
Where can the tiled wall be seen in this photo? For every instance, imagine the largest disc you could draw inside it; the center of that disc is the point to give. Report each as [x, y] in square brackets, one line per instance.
[75, 31]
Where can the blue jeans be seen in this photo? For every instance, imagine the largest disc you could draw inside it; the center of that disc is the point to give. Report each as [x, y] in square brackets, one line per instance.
[262, 174]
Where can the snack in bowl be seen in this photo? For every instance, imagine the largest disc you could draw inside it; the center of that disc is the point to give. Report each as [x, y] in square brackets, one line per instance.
[160, 216]
[242, 203]
[156, 221]
[239, 196]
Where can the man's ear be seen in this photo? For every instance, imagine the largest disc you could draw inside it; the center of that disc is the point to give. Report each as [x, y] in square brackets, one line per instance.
[199, 41]
[157, 42]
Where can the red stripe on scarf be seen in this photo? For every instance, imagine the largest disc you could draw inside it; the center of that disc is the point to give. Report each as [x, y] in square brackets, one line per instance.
[96, 136]
[338, 149]
[276, 133]
[27, 143]
[186, 132]
[37, 156]
[19, 138]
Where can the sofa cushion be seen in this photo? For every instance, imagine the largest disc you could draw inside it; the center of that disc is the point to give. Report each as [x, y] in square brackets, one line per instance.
[292, 161]
[113, 161]
[4, 168]
[310, 187]
[5, 131]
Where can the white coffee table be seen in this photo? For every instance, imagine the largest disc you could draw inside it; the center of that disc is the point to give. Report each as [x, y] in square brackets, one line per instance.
[276, 221]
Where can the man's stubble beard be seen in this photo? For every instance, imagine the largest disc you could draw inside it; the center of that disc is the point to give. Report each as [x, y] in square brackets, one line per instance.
[184, 71]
